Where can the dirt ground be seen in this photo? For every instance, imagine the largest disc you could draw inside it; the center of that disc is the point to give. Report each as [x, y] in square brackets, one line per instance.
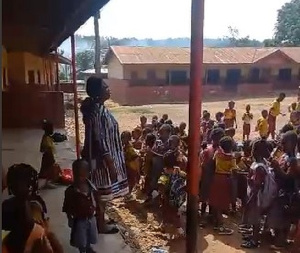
[140, 223]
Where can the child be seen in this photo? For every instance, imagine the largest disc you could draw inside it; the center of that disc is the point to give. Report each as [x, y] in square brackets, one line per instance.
[149, 143]
[220, 196]
[80, 208]
[244, 165]
[208, 167]
[164, 118]
[295, 120]
[262, 125]
[143, 122]
[274, 112]
[160, 147]
[48, 169]
[293, 107]
[247, 118]
[171, 185]
[132, 161]
[136, 136]
[230, 115]
[219, 118]
[25, 235]
[253, 211]
[286, 169]
[146, 131]
[154, 121]
[210, 126]
[182, 129]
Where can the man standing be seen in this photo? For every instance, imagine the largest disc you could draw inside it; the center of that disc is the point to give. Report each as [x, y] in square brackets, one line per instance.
[274, 111]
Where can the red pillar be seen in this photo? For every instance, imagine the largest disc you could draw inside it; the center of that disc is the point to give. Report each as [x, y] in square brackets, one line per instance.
[75, 96]
[195, 102]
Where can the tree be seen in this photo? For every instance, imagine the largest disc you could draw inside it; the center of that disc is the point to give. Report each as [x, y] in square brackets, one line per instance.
[85, 60]
[270, 43]
[287, 29]
[236, 41]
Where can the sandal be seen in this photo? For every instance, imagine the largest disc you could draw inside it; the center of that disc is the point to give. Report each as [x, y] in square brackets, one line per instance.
[225, 231]
[250, 245]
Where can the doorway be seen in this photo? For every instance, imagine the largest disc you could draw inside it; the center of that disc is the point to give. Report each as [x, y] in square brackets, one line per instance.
[233, 77]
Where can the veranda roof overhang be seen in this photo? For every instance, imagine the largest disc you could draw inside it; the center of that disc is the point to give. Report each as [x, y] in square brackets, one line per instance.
[40, 26]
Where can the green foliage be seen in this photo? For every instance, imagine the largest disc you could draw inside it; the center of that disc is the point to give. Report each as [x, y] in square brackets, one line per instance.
[236, 41]
[85, 60]
[62, 76]
[270, 43]
[287, 30]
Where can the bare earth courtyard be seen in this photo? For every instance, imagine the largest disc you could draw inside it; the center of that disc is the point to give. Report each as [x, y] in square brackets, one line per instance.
[141, 223]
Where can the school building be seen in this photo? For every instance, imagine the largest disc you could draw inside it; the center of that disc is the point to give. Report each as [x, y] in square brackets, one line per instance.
[145, 75]
[32, 31]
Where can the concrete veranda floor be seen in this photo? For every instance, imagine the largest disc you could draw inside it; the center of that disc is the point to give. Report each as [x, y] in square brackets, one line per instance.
[23, 146]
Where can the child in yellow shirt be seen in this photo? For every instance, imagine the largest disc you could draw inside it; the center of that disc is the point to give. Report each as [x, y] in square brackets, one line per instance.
[220, 196]
[132, 161]
[274, 112]
[262, 125]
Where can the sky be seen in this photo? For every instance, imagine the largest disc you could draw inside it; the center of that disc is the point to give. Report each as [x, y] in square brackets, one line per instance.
[160, 19]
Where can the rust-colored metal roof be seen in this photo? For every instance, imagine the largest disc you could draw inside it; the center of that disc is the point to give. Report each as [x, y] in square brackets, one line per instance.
[165, 55]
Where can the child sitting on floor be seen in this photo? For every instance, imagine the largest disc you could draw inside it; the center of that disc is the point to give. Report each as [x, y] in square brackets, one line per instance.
[79, 205]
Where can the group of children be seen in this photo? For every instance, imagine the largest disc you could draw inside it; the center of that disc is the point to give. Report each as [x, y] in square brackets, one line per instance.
[261, 176]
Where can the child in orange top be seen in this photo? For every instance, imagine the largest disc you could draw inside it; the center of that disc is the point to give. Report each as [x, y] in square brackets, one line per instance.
[220, 196]
[262, 125]
[230, 115]
[247, 118]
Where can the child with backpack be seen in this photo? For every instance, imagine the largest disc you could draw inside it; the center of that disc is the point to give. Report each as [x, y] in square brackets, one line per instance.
[171, 186]
[261, 189]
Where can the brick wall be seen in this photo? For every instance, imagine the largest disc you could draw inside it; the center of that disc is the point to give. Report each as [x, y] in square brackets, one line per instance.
[27, 109]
